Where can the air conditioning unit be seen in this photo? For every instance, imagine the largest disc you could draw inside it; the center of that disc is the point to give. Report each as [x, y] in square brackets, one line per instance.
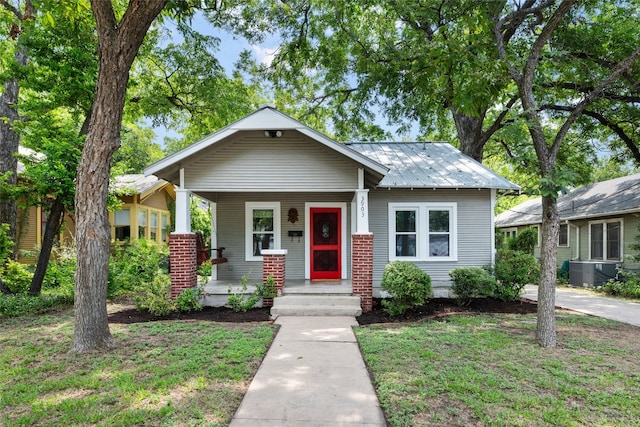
[590, 274]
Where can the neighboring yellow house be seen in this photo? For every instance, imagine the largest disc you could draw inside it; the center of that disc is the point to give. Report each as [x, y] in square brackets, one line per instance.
[145, 213]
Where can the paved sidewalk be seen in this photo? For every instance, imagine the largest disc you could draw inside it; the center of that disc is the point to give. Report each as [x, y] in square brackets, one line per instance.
[313, 375]
[586, 302]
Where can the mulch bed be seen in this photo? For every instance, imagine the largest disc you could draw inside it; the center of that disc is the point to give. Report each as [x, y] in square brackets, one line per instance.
[434, 309]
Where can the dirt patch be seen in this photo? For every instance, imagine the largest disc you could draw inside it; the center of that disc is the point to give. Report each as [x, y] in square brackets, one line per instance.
[434, 309]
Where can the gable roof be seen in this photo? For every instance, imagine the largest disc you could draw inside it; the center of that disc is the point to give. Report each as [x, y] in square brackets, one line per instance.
[430, 165]
[265, 118]
[614, 197]
[141, 184]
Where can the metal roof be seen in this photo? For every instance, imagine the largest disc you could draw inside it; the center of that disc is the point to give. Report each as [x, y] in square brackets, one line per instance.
[430, 165]
[140, 184]
[614, 197]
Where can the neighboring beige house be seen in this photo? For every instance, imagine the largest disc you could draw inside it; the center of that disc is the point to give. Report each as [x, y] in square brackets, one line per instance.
[598, 223]
[145, 213]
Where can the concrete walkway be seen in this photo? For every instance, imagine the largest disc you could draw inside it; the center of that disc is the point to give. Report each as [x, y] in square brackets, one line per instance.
[585, 301]
[313, 375]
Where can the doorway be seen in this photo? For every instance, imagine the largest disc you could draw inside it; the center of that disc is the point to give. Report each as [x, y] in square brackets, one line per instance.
[325, 243]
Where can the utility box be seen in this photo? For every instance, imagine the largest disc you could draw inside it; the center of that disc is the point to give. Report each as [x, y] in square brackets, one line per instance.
[589, 274]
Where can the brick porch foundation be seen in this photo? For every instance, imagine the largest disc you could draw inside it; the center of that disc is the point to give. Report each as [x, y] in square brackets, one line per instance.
[362, 269]
[182, 258]
[273, 264]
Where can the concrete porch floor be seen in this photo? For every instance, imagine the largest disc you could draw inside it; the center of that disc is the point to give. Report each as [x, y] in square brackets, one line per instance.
[216, 291]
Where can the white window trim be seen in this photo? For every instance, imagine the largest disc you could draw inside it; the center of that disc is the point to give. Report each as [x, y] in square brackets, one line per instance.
[605, 255]
[422, 221]
[510, 232]
[248, 227]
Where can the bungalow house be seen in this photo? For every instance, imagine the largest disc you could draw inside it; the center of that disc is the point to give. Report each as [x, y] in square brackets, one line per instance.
[598, 222]
[144, 213]
[290, 202]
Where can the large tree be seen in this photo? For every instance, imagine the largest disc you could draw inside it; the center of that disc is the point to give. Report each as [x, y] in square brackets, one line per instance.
[530, 62]
[119, 40]
[16, 15]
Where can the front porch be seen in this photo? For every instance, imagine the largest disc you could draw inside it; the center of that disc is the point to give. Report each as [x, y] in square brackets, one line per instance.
[299, 297]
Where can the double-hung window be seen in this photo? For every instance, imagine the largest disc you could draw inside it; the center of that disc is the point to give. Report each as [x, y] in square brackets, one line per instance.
[423, 231]
[605, 240]
[563, 235]
[262, 228]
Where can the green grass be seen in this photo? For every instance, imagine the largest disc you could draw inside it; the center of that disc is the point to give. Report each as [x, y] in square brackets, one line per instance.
[488, 370]
[162, 374]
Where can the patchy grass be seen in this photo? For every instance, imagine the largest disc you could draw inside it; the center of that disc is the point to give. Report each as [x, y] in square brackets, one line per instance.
[488, 370]
[163, 373]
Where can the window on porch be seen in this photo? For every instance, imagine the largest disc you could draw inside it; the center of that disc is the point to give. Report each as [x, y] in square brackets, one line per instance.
[262, 228]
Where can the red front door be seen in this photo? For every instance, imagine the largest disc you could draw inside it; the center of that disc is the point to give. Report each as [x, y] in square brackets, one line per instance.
[326, 243]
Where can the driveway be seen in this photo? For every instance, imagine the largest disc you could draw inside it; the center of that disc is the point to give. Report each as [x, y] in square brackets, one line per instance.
[585, 301]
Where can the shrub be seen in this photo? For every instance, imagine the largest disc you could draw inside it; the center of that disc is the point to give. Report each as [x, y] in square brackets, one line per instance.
[25, 304]
[470, 283]
[628, 286]
[407, 284]
[133, 266]
[16, 277]
[59, 277]
[524, 241]
[513, 270]
[241, 301]
[155, 297]
[189, 300]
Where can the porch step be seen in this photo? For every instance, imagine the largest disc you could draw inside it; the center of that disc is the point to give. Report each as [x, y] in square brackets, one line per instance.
[316, 305]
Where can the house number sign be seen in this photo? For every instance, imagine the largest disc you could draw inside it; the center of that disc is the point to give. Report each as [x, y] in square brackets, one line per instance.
[362, 206]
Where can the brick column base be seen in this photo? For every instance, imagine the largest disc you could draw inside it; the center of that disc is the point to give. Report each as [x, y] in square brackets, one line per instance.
[182, 259]
[362, 269]
[273, 263]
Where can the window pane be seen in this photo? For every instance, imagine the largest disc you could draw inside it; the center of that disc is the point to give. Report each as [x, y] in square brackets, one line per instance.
[153, 218]
[439, 245]
[142, 218]
[596, 241]
[405, 221]
[262, 241]
[406, 245]
[438, 221]
[262, 220]
[563, 237]
[613, 240]
[122, 217]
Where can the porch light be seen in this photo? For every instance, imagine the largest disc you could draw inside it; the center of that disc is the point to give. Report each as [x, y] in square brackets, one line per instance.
[273, 133]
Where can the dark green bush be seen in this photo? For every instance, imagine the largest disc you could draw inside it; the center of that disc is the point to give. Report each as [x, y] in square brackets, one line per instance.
[407, 284]
[25, 304]
[59, 277]
[628, 285]
[470, 283]
[513, 270]
[524, 241]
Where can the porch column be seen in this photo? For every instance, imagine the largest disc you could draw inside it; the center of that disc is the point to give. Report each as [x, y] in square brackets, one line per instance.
[182, 261]
[183, 211]
[273, 263]
[362, 205]
[362, 269]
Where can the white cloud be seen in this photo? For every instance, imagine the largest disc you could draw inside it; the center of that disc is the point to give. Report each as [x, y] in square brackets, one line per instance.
[264, 54]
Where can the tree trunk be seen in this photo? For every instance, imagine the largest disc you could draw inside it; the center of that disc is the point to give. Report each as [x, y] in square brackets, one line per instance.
[9, 140]
[54, 220]
[118, 47]
[469, 130]
[546, 326]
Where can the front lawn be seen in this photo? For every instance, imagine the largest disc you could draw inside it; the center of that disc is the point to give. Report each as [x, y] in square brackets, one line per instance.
[163, 373]
[488, 370]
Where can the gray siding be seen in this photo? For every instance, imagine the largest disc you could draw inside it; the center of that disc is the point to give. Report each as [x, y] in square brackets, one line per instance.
[231, 231]
[249, 161]
[473, 229]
